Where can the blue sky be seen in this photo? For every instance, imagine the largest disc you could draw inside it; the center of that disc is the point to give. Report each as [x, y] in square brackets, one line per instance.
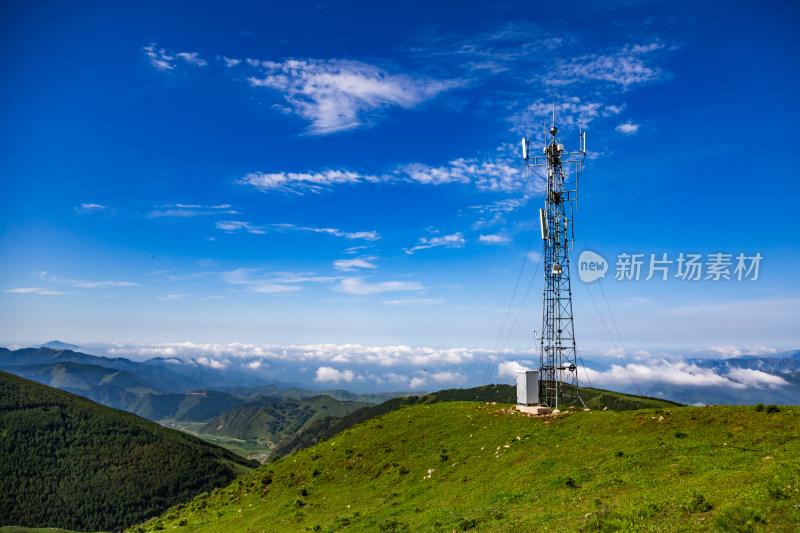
[335, 173]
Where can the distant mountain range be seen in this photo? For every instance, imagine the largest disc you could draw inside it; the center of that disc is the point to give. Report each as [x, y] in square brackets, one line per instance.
[786, 368]
[171, 390]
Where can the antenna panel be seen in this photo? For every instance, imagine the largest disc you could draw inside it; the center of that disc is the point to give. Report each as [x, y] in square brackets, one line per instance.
[543, 224]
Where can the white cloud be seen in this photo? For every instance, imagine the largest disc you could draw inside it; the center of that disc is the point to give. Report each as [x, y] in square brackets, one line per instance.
[349, 265]
[163, 60]
[192, 58]
[682, 373]
[414, 301]
[392, 377]
[627, 128]
[338, 95]
[190, 210]
[171, 297]
[365, 235]
[509, 369]
[253, 365]
[95, 284]
[94, 208]
[456, 240]
[264, 282]
[231, 226]
[756, 378]
[327, 374]
[212, 363]
[357, 286]
[494, 239]
[498, 175]
[416, 383]
[625, 67]
[230, 62]
[392, 356]
[487, 175]
[299, 182]
[424, 377]
[738, 351]
[446, 377]
[35, 290]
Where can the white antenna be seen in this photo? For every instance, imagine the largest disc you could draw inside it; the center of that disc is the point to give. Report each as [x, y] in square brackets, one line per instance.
[543, 223]
[524, 149]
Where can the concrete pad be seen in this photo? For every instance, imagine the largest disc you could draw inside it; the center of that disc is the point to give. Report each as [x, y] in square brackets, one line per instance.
[534, 409]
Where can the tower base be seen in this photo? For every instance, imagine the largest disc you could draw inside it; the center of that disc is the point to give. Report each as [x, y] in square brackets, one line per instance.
[534, 409]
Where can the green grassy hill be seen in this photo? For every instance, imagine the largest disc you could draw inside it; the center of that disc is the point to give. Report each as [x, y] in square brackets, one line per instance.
[326, 428]
[273, 421]
[458, 466]
[71, 463]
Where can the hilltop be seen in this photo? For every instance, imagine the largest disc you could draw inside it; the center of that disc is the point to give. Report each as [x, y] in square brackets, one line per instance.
[476, 466]
[326, 428]
[69, 462]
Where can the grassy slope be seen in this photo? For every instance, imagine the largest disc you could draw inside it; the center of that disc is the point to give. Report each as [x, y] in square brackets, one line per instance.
[69, 462]
[328, 427]
[271, 422]
[472, 466]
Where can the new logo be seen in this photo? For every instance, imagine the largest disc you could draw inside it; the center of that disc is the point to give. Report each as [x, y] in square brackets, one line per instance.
[591, 266]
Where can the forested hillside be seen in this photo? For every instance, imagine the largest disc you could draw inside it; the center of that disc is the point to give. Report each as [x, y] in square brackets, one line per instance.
[68, 462]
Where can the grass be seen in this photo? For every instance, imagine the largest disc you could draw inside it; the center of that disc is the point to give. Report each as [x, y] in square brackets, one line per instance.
[469, 466]
[244, 448]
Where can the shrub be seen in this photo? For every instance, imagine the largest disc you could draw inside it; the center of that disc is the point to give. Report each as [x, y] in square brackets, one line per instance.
[699, 504]
[392, 526]
[739, 519]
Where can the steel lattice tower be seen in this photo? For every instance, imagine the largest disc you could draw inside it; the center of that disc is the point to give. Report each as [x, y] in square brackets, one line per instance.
[558, 376]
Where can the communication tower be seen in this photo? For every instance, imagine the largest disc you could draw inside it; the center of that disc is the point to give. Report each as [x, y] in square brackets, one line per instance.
[558, 371]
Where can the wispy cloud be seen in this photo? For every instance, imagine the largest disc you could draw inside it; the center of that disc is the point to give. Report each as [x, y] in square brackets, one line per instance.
[95, 284]
[365, 235]
[35, 290]
[266, 282]
[630, 65]
[94, 208]
[190, 210]
[171, 297]
[358, 286]
[349, 265]
[232, 226]
[86, 284]
[337, 95]
[414, 301]
[495, 174]
[163, 60]
[299, 182]
[456, 240]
